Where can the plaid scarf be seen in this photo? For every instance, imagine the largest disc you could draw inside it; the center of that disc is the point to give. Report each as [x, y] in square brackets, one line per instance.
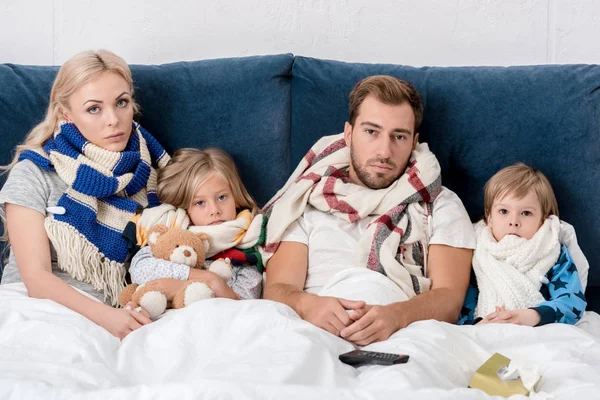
[105, 189]
[395, 242]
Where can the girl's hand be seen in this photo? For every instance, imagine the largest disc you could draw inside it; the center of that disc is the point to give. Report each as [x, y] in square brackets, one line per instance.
[168, 286]
[220, 288]
[214, 282]
[120, 322]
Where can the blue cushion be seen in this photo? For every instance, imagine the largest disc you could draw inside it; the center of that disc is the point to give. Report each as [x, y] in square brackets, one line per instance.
[241, 105]
[479, 120]
[23, 103]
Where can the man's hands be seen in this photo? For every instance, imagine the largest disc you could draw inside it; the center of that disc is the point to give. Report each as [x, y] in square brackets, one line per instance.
[526, 317]
[373, 324]
[329, 313]
[354, 321]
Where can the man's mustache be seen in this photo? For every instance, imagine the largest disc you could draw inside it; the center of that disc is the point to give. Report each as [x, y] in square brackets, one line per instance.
[380, 161]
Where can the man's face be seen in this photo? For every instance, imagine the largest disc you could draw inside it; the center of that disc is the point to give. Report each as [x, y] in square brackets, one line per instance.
[381, 142]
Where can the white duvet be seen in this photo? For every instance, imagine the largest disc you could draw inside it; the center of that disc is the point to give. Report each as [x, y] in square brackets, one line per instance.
[259, 349]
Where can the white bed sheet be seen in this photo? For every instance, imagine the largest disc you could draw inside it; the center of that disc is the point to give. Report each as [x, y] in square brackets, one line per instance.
[259, 349]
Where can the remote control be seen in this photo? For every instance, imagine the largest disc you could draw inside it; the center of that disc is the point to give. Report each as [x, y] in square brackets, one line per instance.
[362, 357]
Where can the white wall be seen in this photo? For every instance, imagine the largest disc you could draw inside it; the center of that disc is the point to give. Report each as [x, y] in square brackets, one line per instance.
[427, 32]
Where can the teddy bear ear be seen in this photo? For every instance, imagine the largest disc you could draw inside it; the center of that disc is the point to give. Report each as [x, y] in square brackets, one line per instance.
[205, 241]
[155, 232]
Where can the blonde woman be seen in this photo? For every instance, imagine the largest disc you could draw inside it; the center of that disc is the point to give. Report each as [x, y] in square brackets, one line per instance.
[72, 187]
[201, 191]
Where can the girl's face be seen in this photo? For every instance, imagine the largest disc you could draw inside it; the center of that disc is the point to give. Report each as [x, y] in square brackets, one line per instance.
[519, 217]
[102, 111]
[213, 203]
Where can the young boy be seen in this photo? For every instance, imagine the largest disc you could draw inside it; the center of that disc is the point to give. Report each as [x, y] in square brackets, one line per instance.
[524, 275]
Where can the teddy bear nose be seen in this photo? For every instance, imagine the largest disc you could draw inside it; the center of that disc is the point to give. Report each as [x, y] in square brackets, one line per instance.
[187, 253]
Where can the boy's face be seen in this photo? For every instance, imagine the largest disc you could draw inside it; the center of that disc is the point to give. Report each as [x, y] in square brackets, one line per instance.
[512, 216]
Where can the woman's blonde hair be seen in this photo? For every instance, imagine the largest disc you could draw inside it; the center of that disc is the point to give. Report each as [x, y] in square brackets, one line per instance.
[73, 74]
[188, 168]
[517, 180]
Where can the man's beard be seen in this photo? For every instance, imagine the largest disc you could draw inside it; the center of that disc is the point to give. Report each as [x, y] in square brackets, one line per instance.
[375, 180]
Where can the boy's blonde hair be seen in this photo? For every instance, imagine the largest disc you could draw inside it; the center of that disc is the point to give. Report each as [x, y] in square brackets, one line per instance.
[517, 180]
[73, 74]
[185, 172]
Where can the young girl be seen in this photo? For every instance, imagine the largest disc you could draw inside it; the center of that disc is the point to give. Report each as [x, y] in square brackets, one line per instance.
[73, 186]
[202, 191]
[524, 275]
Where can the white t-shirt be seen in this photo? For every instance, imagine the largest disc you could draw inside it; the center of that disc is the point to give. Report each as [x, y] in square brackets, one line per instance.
[332, 242]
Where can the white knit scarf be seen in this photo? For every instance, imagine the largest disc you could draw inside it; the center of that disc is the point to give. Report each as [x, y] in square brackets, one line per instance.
[509, 272]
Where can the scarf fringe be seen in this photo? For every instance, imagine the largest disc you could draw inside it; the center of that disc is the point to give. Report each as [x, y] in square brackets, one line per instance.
[83, 261]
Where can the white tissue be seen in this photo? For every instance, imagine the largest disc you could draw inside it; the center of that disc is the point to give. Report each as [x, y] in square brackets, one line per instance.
[529, 373]
[541, 396]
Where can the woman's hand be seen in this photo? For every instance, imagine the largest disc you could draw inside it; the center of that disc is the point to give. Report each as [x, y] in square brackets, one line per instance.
[120, 322]
[30, 244]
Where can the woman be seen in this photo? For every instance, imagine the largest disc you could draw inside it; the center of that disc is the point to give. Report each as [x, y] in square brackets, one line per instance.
[79, 177]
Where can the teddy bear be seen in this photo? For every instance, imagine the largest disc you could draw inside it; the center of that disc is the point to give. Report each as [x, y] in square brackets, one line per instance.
[183, 247]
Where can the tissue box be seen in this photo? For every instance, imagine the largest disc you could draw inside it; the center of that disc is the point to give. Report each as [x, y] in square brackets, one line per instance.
[487, 378]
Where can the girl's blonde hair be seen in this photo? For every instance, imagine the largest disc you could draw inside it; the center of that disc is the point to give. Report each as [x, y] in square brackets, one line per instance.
[517, 180]
[73, 74]
[188, 168]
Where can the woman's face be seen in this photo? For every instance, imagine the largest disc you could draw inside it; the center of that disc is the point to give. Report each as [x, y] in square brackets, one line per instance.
[102, 110]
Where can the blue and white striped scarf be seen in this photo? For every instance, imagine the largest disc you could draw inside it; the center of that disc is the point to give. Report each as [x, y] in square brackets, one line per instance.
[105, 189]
